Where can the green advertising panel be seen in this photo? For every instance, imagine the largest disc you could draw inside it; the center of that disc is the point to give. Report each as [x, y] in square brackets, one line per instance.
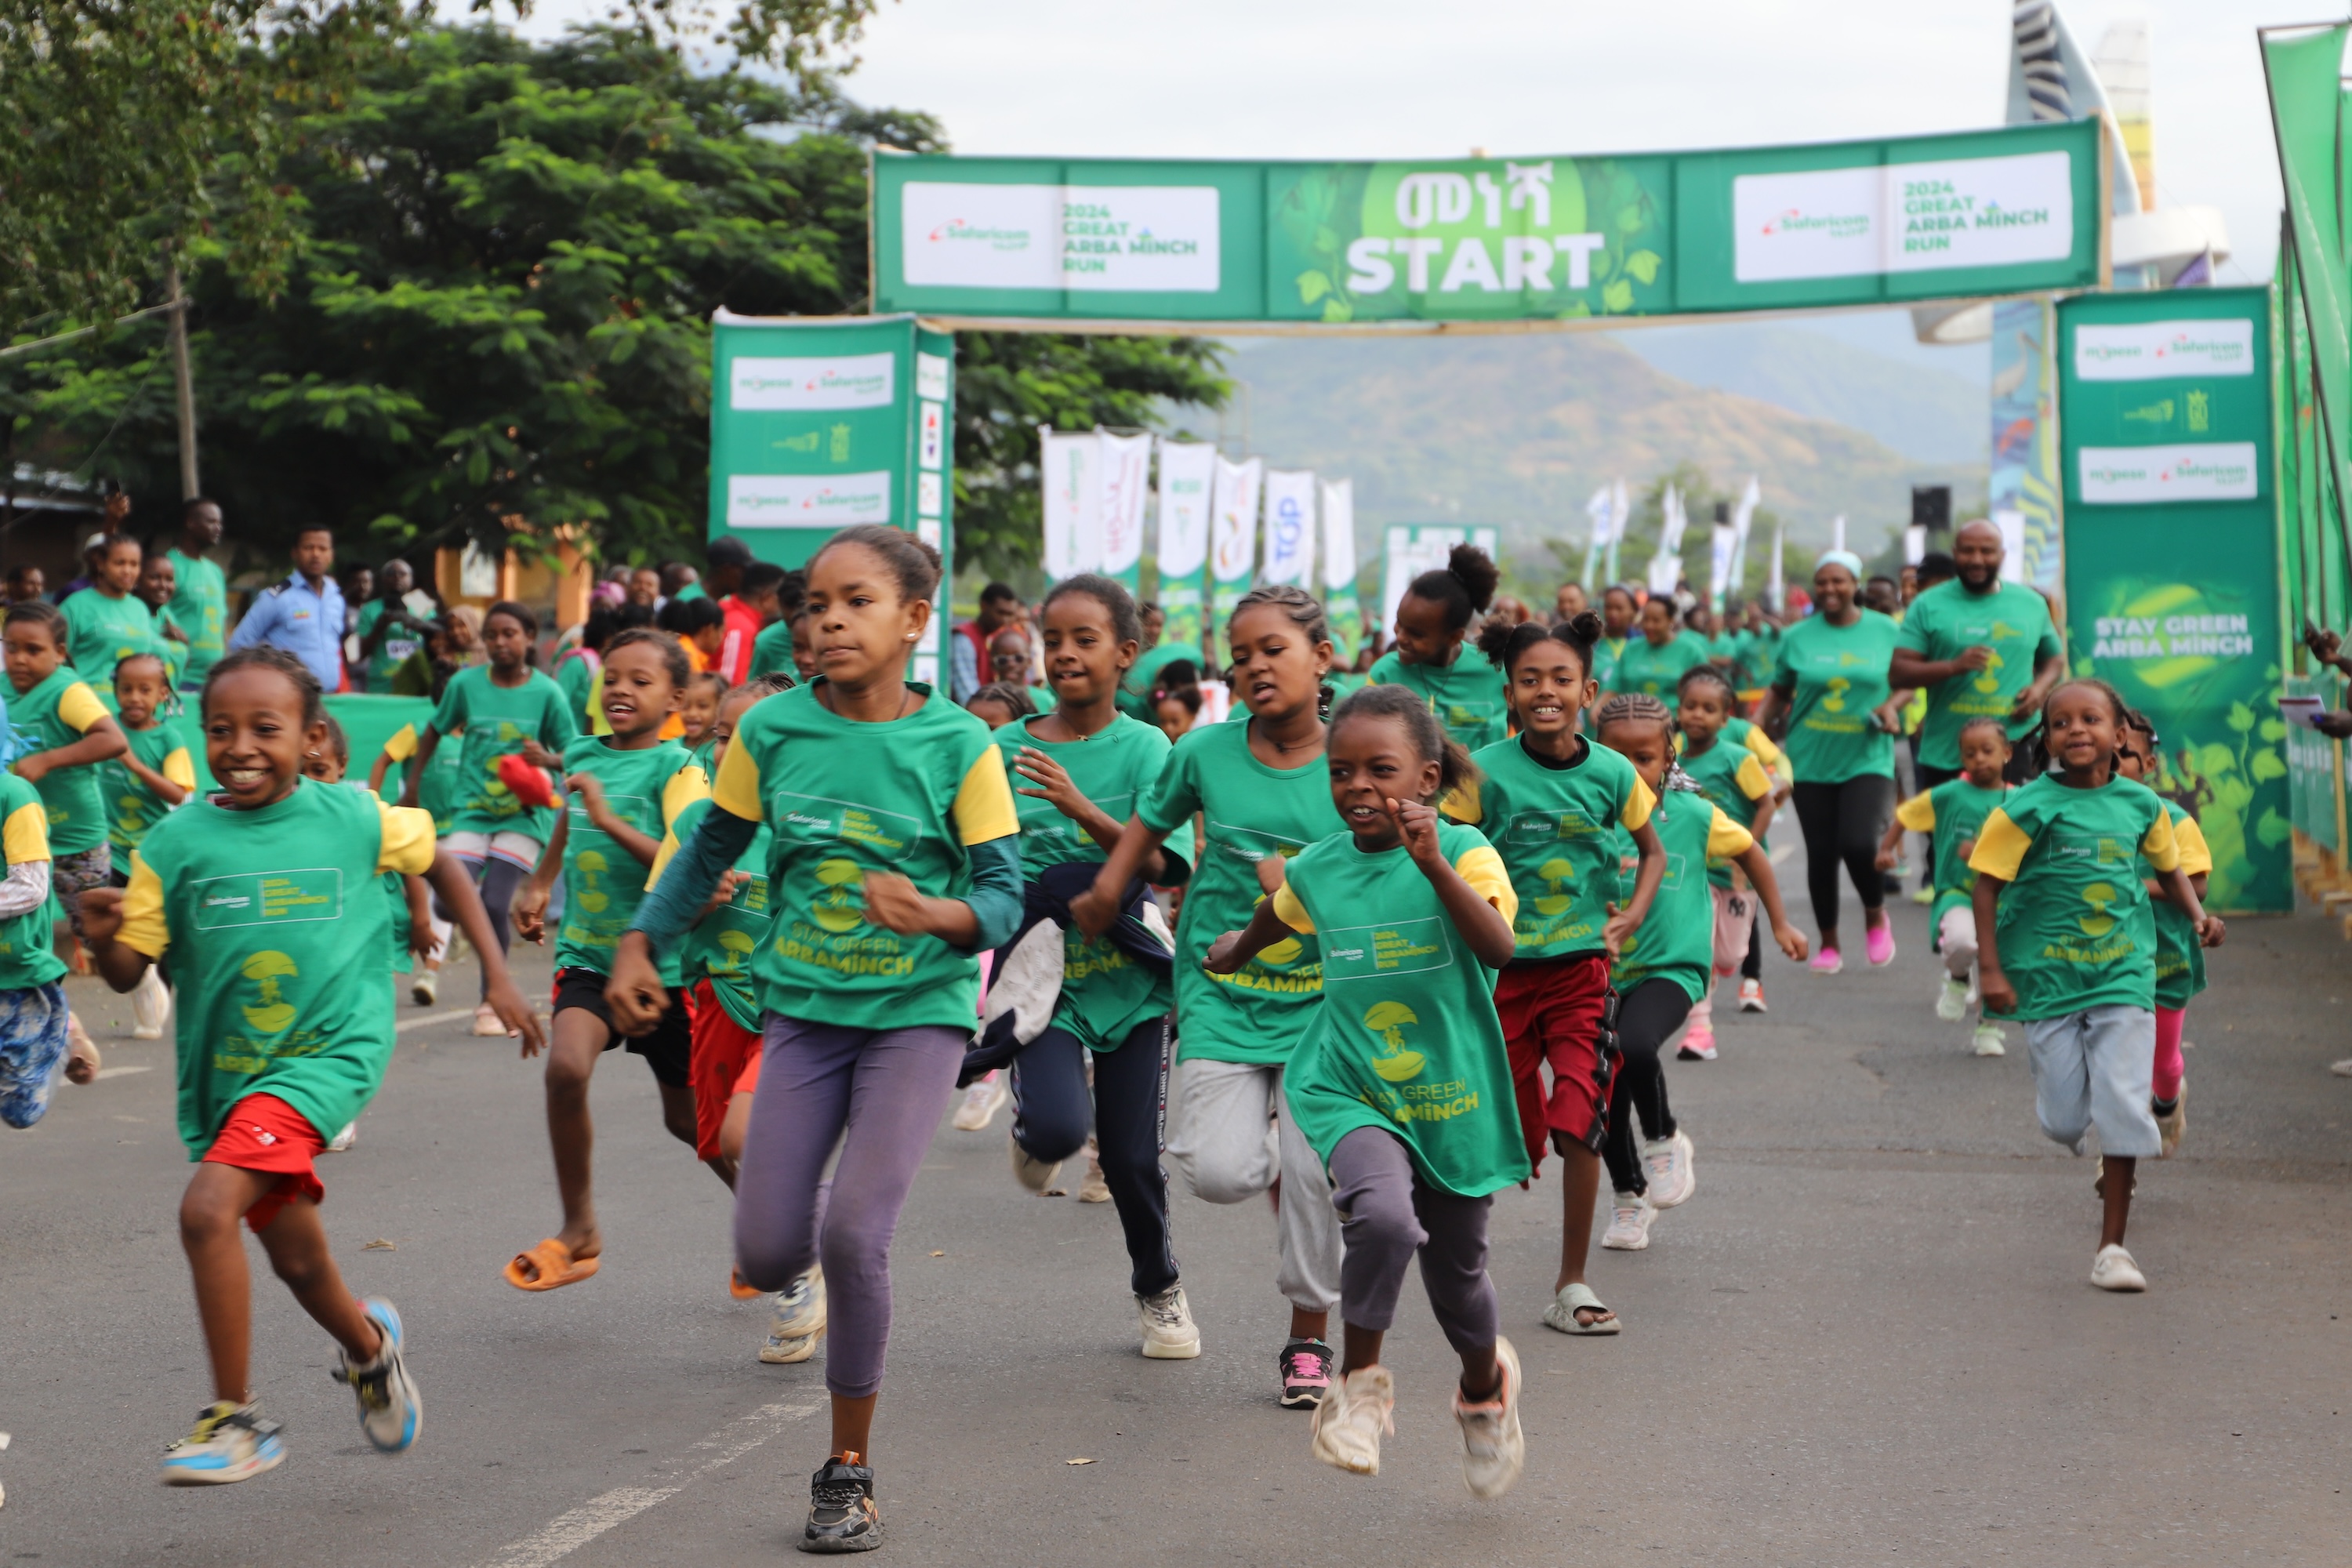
[2172, 566]
[1490, 239]
[816, 423]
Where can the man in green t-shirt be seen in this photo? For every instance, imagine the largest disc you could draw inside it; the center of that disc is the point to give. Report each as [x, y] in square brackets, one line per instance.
[199, 605]
[1980, 648]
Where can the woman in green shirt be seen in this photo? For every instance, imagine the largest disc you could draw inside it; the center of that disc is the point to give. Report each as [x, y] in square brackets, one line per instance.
[1429, 658]
[1652, 662]
[1829, 680]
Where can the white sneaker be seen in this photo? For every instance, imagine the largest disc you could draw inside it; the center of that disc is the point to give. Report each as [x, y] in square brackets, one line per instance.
[2341, 1069]
[425, 989]
[1034, 1173]
[799, 1319]
[1629, 1226]
[1751, 996]
[1987, 1041]
[1093, 1189]
[981, 1101]
[1169, 1332]
[341, 1143]
[1952, 1000]
[1493, 1449]
[2113, 1269]
[1668, 1162]
[151, 1005]
[1351, 1418]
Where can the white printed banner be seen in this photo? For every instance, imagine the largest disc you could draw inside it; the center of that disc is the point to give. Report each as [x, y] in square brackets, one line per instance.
[1743, 518]
[1338, 535]
[1414, 548]
[761, 384]
[2159, 351]
[1186, 469]
[1071, 464]
[2216, 470]
[1720, 549]
[807, 500]
[1106, 238]
[1126, 480]
[1290, 527]
[1233, 523]
[1903, 218]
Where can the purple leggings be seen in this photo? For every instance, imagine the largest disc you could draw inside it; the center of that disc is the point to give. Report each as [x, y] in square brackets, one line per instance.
[878, 1095]
[1387, 1215]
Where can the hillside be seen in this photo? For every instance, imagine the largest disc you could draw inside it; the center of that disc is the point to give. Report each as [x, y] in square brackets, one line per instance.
[1519, 431]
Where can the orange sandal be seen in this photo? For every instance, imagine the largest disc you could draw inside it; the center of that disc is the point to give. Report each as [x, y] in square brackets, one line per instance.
[741, 1291]
[553, 1264]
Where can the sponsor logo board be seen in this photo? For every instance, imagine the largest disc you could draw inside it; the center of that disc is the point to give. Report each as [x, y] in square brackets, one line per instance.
[2216, 470]
[761, 384]
[807, 500]
[1103, 239]
[2158, 350]
[1903, 218]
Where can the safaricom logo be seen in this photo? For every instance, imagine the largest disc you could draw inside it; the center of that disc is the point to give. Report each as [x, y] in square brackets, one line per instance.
[1829, 226]
[807, 500]
[2218, 475]
[773, 383]
[960, 229]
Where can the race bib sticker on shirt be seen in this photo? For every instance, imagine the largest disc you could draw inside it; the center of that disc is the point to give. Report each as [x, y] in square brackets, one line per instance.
[315, 893]
[888, 834]
[1536, 826]
[1378, 952]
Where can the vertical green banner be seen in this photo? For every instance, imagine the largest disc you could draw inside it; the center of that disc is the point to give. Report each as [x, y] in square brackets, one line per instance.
[819, 424]
[2171, 556]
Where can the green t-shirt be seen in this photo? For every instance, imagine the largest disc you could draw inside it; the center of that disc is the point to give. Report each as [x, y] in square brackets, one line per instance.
[1606, 653]
[28, 954]
[398, 647]
[603, 883]
[275, 922]
[131, 807]
[101, 632]
[1248, 812]
[2075, 924]
[845, 798]
[53, 713]
[723, 944]
[1105, 992]
[576, 678]
[2179, 956]
[1557, 830]
[772, 650]
[199, 607]
[497, 720]
[1406, 1038]
[1733, 779]
[1836, 675]
[1951, 814]
[1135, 690]
[1676, 940]
[1467, 695]
[2013, 621]
[1655, 671]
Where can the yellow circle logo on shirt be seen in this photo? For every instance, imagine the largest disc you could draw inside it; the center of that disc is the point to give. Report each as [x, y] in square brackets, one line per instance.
[1387, 1019]
[273, 1014]
[840, 908]
[1557, 875]
[591, 892]
[2099, 896]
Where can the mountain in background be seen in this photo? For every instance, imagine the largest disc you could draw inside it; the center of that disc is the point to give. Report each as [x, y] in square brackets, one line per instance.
[1519, 430]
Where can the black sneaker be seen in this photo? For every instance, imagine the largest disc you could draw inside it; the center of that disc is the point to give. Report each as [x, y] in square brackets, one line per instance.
[842, 1515]
[1305, 1374]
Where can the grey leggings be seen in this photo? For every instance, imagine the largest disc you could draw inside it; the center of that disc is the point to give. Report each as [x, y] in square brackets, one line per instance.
[499, 881]
[877, 1094]
[1388, 1213]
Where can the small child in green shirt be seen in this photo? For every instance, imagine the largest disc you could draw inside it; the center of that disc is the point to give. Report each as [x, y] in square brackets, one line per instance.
[147, 781]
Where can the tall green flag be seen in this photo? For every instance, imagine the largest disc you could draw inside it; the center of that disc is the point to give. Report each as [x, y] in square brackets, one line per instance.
[2305, 73]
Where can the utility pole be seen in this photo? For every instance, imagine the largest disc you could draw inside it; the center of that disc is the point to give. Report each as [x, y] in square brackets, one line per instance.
[182, 383]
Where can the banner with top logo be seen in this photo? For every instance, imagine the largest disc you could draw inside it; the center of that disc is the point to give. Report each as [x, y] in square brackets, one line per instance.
[1341, 606]
[1186, 470]
[1290, 527]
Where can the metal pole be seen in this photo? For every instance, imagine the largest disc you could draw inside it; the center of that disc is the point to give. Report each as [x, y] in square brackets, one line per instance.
[183, 383]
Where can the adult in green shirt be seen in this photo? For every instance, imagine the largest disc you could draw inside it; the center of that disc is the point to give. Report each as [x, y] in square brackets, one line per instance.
[107, 623]
[1981, 648]
[1429, 658]
[390, 628]
[1618, 613]
[199, 593]
[1830, 683]
[1654, 663]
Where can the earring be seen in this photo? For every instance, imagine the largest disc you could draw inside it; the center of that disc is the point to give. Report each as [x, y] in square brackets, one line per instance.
[912, 636]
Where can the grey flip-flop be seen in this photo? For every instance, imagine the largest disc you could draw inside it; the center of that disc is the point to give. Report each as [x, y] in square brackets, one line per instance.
[1561, 1313]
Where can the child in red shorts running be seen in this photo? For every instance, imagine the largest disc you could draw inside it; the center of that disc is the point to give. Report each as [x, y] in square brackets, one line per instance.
[285, 1030]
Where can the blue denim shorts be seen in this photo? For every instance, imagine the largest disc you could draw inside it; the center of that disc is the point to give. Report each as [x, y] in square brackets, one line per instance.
[32, 1052]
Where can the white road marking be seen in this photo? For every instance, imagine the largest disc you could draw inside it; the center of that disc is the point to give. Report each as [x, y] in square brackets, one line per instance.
[449, 1017]
[121, 1072]
[567, 1532]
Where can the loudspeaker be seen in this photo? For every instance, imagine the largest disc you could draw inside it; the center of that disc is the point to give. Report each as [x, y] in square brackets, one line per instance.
[1931, 508]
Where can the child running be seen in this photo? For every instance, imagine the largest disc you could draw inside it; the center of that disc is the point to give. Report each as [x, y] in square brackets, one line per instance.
[436, 792]
[2060, 900]
[62, 733]
[705, 689]
[1554, 802]
[869, 981]
[1951, 814]
[627, 790]
[1661, 968]
[285, 1031]
[2180, 957]
[507, 709]
[32, 995]
[1261, 790]
[153, 777]
[1402, 1083]
[1734, 780]
[1432, 620]
[1080, 770]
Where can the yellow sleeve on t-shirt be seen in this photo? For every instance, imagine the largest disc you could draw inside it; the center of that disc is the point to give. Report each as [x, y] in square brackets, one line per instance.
[2000, 847]
[1483, 869]
[1290, 911]
[144, 929]
[407, 840]
[1725, 838]
[403, 744]
[1760, 743]
[737, 792]
[1753, 781]
[1461, 804]
[984, 808]
[27, 834]
[2162, 849]
[1639, 801]
[685, 786]
[180, 770]
[78, 706]
[2196, 857]
[1917, 814]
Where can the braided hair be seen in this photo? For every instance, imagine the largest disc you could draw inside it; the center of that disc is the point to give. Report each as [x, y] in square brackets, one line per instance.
[1639, 708]
[1304, 611]
[2036, 741]
[1429, 738]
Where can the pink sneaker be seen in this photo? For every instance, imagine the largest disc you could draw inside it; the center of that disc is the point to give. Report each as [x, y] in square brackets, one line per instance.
[1698, 1044]
[1827, 962]
[1880, 945]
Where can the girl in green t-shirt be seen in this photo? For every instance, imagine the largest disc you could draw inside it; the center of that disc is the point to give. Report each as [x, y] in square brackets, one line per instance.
[1402, 1083]
[1950, 814]
[1664, 966]
[266, 898]
[1077, 772]
[1652, 662]
[2180, 958]
[1429, 659]
[1261, 793]
[1737, 779]
[2061, 902]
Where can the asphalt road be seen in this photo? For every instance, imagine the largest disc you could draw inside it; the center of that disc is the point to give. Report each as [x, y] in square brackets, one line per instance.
[1869, 1337]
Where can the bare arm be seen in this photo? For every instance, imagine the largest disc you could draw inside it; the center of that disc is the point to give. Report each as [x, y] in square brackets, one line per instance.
[1914, 669]
[428, 741]
[1235, 948]
[163, 789]
[530, 910]
[456, 886]
[2046, 674]
[1056, 788]
[641, 846]
[1094, 909]
[102, 742]
[1890, 843]
[2000, 996]
[2178, 887]
[1646, 877]
[1773, 710]
[1759, 867]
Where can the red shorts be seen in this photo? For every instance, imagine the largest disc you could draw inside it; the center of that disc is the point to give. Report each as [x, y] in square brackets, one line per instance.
[1552, 1013]
[724, 1062]
[262, 1132]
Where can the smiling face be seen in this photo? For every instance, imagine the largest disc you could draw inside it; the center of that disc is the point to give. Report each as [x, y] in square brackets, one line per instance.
[644, 587]
[1421, 634]
[1644, 742]
[1833, 590]
[698, 709]
[639, 695]
[1277, 672]
[861, 626]
[1549, 691]
[1008, 658]
[1658, 621]
[1084, 657]
[2080, 726]
[1978, 553]
[158, 581]
[118, 569]
[1372, 761]
[255, 739]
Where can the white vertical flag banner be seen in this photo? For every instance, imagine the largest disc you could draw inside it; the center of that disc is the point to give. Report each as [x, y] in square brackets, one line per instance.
[1126, 476]
[1233, 530]
[1602, 510]
[1340, 606]
[1186, 469]
[1721, 547]
[1621, 514]
[1071, 461]
[1837, 532]
[1666, 566]
[1915, 543]
[1290, 527]
[1743, 516]
[1779, 589]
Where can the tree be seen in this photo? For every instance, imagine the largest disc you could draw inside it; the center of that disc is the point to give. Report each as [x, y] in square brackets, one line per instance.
[498, 322]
